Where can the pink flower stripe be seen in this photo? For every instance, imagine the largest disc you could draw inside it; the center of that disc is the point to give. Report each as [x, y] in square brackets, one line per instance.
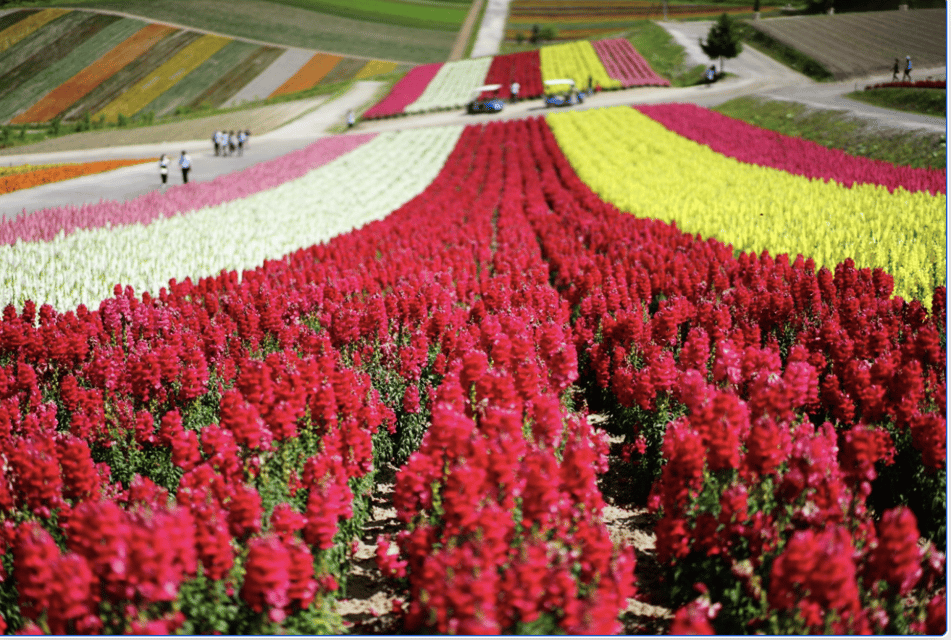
[753, 145]
[404, 92]
[523, 67]
[624, 63]
[46, 224]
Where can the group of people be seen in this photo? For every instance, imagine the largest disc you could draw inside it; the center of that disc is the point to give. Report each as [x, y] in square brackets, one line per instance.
[907, 74]
[227, 142]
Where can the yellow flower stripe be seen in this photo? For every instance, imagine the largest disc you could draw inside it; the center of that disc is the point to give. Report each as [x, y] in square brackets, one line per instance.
[25, 168]
[16, 32]
[163, 78]
[575, 60]
[373, 68]
[641, 167]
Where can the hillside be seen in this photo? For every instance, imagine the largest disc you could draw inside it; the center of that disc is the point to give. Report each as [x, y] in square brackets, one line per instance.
[309, 24]
[74, 64]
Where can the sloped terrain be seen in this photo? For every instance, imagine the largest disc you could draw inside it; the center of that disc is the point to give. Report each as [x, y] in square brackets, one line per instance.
[72, 64]
[856, 44]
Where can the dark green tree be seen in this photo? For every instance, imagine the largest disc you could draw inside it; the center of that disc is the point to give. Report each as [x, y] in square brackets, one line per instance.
[723, 40]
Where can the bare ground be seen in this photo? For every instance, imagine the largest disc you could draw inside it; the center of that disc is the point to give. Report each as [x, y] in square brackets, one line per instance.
[367, 604]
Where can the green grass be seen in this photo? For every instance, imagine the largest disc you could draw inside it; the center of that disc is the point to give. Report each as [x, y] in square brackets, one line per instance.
[285, 25]
[410, 14]
[836, 130]
[664, 55]
[930, 102]
[784, 54]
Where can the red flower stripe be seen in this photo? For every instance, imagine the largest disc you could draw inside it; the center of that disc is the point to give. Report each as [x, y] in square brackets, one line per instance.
[523, 67]
[753, 145]
[624, 63]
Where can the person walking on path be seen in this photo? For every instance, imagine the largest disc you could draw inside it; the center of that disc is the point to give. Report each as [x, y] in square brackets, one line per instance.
[242, 138]
[351, 119]
[163, 168]
[216, 137]
[907, 73]
[186, 164]
[515, 87]
[895, 70]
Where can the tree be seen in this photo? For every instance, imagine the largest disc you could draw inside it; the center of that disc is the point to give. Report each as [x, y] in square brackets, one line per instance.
[723, 40]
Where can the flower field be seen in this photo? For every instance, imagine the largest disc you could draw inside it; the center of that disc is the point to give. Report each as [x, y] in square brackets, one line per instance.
[611, 64]
[199, 456]
[28, 176]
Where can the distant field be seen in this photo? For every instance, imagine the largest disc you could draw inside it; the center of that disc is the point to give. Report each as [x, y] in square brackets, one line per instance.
[428, 15]
[288, 24]
[579, 19]
[858, 44]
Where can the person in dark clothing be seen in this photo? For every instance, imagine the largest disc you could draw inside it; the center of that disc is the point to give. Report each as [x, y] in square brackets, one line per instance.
[907, 73]
[895, 70]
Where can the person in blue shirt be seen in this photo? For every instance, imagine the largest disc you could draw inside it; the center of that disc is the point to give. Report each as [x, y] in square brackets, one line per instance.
[186, 164]
[907, 73]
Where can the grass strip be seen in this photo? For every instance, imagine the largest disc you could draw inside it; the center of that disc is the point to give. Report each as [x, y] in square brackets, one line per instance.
[929, 102]
[406, 14]
[664, 55]
[207, 75]
[783, 53]
[836, 130]
[234, 80]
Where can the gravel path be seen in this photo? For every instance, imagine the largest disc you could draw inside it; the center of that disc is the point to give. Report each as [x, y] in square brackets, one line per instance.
[492, 29]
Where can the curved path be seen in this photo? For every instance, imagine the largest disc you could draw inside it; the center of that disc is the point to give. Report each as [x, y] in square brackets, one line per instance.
[753, 74]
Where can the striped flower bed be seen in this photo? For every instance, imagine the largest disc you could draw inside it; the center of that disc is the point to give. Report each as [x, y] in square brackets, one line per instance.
[643, 167]
[199, 459]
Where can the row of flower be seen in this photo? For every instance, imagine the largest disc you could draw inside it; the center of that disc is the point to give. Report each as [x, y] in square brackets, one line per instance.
[642, 167]
[610, 64]
[519, 67]
[347, 192]
[24, 168]
[467, 350]
[265, 434]
[29, 176]
[792, 419]
[917, 84]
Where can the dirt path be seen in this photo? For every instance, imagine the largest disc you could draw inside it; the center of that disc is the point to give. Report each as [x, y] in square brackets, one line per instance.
[465, 33]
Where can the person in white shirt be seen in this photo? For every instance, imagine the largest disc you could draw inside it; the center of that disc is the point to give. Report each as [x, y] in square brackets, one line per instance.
[186, 164]
[515, 87]
[163, 168]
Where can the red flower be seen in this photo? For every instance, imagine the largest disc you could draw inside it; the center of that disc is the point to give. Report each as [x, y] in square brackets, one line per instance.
[897, 558]
[267, 578]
